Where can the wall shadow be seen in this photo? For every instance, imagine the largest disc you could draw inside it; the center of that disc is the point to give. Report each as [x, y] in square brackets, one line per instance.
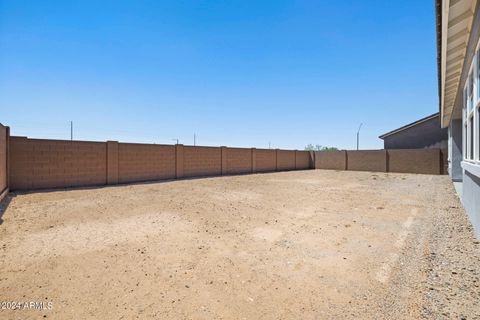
[4, 205]
[145, 182]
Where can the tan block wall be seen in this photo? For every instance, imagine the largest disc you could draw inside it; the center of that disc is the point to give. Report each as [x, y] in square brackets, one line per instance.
[332, 160]
[112, 162]
[39, 163]
[444, 161]
[302, 160]
[423, 161]
[239, 160]
[426, 161]
[202, 161]
[265, 160]
[36, 163]
[3, 159]
[367, 160]
[285, 160]
[143, 162]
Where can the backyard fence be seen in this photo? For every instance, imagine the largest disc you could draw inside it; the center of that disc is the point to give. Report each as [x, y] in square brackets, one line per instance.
[40, 163]
[4, 135]
[27, 164]
[424, 161]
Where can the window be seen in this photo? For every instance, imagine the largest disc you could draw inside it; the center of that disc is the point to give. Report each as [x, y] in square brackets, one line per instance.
[471, 113]
[464, 116]
[470, 93]
[478, 133]
[471, 135]
[477, 82]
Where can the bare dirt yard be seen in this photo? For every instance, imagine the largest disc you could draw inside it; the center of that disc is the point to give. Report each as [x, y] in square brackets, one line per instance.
[290, 245]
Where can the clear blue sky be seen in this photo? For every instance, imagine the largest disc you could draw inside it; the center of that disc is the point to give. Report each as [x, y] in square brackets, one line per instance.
[238, 73]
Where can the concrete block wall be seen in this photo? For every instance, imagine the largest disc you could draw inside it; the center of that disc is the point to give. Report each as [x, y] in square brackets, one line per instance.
[285, 160]
[423, 161]
[239, 160]
[202, 161]
[266, 160]
[40, 163]
[367, 160]
[143, 162]
[332, 160]
[37, 163]
[4, 137]
[444, 162]
[427, 161]
[112, 162]
[303, 160]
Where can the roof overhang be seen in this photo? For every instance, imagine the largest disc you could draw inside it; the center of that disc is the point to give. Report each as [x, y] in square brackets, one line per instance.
[454, 22]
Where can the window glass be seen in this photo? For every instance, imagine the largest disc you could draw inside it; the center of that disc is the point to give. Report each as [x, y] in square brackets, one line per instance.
[471, 139]
[470, 93]
[477, 137]
[478, 75]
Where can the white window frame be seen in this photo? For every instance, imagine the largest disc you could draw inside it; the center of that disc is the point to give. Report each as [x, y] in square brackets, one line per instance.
[471, 112]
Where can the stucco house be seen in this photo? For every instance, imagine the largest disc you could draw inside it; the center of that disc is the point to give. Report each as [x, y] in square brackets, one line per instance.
[423, 133]
[458, 59]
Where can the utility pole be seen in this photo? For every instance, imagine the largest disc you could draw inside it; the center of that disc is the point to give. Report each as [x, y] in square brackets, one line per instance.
[269, 145]
[358, 135]
[176, 139]
[71, 130]
[194, 139]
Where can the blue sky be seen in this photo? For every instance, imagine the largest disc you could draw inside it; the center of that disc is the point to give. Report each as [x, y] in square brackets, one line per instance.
[237, 73]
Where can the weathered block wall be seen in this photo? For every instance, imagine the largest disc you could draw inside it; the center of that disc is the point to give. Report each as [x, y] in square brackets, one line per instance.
[427, 161]
[444, 162]
[40, 164]
[302, 160]
[4, 135]
[285, 160]
[333, 160]
[239, 160]
[367, 160]
[143, 162]
[202, 161]
[37, 163]
[266, 160]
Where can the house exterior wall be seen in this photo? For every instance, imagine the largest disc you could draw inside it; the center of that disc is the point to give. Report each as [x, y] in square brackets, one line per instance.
[427, 134]
[464, 139]
[455, 152]
[471, 199]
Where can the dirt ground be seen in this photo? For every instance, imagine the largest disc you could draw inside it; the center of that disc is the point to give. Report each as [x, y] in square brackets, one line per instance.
[290, 245]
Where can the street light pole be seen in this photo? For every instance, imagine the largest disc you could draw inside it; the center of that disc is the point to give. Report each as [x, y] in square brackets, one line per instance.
[358, 135]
